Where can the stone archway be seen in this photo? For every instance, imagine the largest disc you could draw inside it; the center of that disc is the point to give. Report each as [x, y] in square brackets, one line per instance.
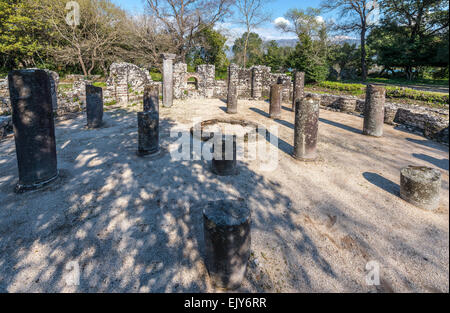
[192, 81]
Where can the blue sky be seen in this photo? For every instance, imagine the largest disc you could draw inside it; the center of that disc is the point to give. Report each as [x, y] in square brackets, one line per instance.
[268, 31]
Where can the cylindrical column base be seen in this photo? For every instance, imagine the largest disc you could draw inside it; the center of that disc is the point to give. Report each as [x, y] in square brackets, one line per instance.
[224, 162]
[275, 101]
[148, 132]
[94, 106]
[374, 111]
[151, 98]
[232, 98]
[34, 129]
[227, 241]
[306, 128]
[421, 186]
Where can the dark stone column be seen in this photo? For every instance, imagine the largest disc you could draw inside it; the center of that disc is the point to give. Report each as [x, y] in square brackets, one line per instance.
[275, 101]
[34, 128]
[299, 88]
[374, 111]
[227, 241]
[148, 132]
[94, 106]
[421, 186]
[306, 128]
[151, 98]
[232, 99]
[224, 162]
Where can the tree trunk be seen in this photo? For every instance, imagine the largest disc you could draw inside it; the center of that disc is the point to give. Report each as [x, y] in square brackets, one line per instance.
[245, 48]
[363, 54]
[80, 59]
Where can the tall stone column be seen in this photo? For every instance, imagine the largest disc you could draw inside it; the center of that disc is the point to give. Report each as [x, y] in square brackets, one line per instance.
[168, 79]
[233, 82]
[227, 234]
[94, 106]
[299, 88]
[275, 100]
[151, 98]
[306, 128]
[34, 129]
[374, 111]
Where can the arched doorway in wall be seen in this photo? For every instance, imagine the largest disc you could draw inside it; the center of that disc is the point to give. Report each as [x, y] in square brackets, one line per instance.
[192, 82]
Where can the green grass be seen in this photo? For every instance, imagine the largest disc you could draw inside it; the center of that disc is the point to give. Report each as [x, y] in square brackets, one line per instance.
[157, 77]
[65, 87]
[100, 84]
[113, 102]
[433, 98]
[398, 81]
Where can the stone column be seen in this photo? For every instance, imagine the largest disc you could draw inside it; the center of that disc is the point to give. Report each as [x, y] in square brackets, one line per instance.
[151, 98]
[421, 186]
[299, 88]
[233, 81]
[148, 133]
[232, 99]
[374, 111]
[257, 77]
[275, 101]
[227, 241]
[168, 79]
[224, 162]
[94, 106]
[233, 88]
[34, 129]
[306, 128]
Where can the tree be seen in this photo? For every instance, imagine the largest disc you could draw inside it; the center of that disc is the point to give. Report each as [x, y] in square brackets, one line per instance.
[252, 14]
[101, 28]
[209, 48]
[254, 52]
[23, 34]
[276, 57]
[413, 34]
[310, 54]
[184, 19]
[355, 16]
[346, 57]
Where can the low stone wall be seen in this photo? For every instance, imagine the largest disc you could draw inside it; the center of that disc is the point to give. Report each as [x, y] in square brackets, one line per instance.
[6, 126]
[432, 123]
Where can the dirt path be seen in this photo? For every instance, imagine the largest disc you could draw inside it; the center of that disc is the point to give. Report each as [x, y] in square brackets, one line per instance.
[134, 225]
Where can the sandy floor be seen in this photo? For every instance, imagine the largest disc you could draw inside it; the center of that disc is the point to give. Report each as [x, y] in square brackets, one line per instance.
[135, 225]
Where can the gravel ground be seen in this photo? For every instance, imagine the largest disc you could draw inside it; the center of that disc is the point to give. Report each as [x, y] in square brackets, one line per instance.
[135, 225]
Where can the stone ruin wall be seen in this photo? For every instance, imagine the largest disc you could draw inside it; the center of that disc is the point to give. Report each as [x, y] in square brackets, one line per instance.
[253, 83]
[126, 82]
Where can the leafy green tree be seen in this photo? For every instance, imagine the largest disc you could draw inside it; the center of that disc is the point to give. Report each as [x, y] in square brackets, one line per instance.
[209, 48]
[310, 54]
[345, 59]
[413, 34]
[276, 57]
[23, 34]
[254, 52]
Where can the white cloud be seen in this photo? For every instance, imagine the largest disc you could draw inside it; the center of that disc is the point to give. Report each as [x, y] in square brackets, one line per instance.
[320, 19]
[281, 21]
